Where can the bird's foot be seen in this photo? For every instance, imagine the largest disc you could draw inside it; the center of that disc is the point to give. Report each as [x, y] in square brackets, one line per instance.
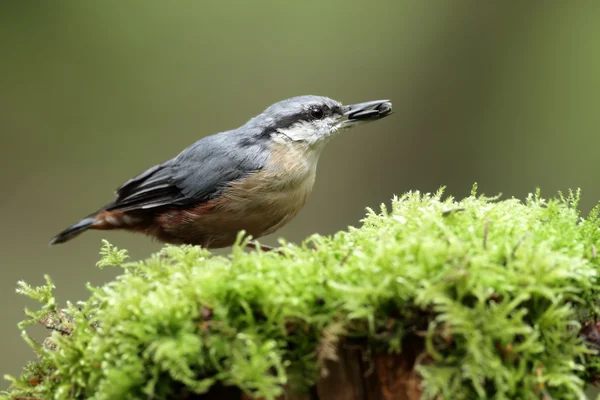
[263, 247]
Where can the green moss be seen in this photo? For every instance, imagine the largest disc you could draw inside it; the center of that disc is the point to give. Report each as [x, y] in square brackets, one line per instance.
[502, 285]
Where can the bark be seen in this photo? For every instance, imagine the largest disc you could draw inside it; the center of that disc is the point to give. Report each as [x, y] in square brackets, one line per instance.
[355, 376]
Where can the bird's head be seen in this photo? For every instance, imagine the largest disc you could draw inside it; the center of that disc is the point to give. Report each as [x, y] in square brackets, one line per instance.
[311, 120]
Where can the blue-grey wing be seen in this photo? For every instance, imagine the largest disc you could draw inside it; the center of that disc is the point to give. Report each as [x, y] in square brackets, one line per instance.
[196, 175]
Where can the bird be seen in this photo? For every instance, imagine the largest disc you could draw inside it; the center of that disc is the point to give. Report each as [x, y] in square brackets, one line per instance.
[254, 179]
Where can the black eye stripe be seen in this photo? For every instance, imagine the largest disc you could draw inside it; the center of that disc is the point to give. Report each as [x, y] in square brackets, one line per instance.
[303, 115]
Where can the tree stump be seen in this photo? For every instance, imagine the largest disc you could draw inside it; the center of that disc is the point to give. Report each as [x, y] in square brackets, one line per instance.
[355, 376]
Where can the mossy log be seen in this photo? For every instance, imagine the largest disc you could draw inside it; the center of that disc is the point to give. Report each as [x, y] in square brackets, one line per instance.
[432, 298]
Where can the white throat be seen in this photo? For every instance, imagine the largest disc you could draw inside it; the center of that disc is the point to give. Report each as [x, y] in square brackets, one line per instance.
[309, 132]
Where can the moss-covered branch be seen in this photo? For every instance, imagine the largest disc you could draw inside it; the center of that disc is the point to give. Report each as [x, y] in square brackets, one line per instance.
[496, 290]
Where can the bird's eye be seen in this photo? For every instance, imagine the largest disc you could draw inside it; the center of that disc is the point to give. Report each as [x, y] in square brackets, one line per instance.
[316, 113]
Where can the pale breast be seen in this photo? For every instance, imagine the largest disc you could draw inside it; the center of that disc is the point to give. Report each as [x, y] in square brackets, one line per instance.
[260, 203]
[269, 199]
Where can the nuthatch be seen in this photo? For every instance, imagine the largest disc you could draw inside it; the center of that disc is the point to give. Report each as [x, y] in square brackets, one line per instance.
[255, 178]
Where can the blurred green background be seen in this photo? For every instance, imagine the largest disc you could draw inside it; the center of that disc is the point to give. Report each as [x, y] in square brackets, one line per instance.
[92, 93]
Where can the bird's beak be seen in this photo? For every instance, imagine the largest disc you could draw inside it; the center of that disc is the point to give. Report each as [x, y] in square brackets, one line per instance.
[363, 112]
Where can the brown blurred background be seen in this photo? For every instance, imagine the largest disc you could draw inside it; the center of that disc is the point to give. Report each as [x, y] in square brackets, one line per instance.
[92, 93]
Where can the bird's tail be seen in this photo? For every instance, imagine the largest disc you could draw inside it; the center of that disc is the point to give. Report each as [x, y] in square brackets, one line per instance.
[73, 231]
